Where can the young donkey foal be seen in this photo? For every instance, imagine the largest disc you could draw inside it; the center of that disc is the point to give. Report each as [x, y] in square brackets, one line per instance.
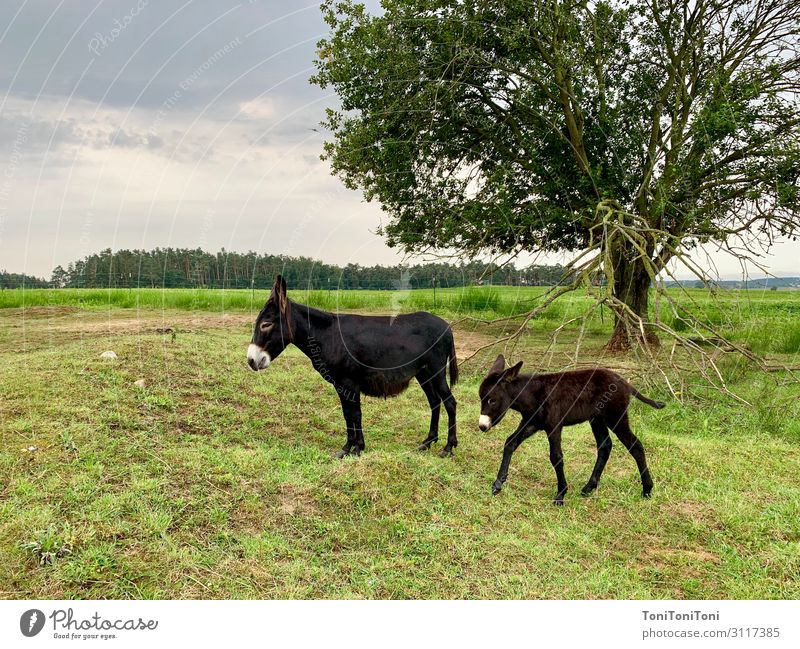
[550, 401]
[373, 355]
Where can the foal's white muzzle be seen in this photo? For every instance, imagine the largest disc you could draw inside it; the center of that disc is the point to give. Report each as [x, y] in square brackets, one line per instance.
[484, 423]
[257, 358]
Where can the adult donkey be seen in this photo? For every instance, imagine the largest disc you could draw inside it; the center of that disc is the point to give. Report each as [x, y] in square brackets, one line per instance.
[374, 355]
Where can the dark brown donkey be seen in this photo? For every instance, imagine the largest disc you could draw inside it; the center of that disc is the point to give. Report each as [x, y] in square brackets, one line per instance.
[373, 355]
[550, 401]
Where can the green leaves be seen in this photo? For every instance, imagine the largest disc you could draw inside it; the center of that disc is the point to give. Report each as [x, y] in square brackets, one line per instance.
[500, 125]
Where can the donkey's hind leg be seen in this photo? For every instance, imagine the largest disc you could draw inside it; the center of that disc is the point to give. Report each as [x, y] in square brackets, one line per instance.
[435, 402]
[603, 440]
[622, 429]
[449, 402]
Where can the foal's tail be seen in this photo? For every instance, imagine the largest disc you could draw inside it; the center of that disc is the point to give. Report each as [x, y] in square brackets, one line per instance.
[658, 405]
[453, 361]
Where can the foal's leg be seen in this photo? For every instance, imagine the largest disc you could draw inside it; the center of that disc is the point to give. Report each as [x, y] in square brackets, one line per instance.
[351, 407]
[523, 432]
[557, 460]
[603, 440]
[435, 402]
[622, 429]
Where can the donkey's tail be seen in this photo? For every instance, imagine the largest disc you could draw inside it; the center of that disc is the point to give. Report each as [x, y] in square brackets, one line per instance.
[453, 361]
[658, 405]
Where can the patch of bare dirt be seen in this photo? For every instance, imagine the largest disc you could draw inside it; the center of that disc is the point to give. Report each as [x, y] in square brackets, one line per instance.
[159, 325]
[98, 325]
[673, 554]
[694, 511]
[29, 333]
[296, 501]
[468, 341]
[41, 311]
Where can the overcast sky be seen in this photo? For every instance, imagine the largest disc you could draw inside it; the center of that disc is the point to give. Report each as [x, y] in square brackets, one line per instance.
[184, 123]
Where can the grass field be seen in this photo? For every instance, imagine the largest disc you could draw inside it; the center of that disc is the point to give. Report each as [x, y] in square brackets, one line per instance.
[214, 482]
[768, 321]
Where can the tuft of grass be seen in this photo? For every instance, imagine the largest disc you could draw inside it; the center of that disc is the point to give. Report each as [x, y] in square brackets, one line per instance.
[770, 335]
[679, 324]
[791, 338]
[555, 312]
[68, 442]
[53, 543]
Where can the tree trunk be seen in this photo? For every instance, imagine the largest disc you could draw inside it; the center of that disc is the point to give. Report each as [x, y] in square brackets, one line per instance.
[631, 287]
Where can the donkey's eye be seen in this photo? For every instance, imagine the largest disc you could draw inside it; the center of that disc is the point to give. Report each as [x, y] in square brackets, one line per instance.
[266, 326]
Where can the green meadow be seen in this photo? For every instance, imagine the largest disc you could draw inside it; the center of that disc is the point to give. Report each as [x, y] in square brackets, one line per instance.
[215, 482]
[766, 321]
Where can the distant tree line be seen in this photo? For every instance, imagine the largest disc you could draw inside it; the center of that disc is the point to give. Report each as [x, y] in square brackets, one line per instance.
[18, 280]
[185, 268]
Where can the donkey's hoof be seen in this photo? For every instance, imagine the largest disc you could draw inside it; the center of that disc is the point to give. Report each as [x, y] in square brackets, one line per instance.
[343, 453]
[446, 452]
[497, 488]
[355, 451]
[588, 489]
[425, 446]
[559, 502]
[646, 494]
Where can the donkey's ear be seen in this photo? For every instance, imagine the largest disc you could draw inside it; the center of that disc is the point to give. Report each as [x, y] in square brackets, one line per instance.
[512, 372]
[279, 292]
[279, 288]
[499, 365]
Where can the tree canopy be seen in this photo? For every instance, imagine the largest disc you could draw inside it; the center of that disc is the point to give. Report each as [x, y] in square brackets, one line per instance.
[196, 268]
[20, 280]
[638, 129]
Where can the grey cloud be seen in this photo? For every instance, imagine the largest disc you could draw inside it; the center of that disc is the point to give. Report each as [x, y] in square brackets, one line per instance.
[171, 59]
[126, 140]
[37, 136]
[129, 139]
[34, 135]
[128, 55]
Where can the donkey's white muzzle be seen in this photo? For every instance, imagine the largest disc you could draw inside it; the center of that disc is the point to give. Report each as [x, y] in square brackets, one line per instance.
[257, 358]
[484, 423]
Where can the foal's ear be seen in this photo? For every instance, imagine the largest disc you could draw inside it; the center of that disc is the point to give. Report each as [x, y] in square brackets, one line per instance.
[512, 372]
[499, 365]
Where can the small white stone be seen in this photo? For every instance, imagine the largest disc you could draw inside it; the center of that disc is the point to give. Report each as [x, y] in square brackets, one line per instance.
[110, 355]
[141, 383]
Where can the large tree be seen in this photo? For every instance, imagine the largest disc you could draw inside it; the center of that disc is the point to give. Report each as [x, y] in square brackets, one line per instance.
[638, 129]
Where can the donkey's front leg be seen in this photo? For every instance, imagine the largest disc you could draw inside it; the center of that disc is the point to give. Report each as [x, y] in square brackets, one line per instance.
[523, 432]
[358, 432]
[351, 408]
